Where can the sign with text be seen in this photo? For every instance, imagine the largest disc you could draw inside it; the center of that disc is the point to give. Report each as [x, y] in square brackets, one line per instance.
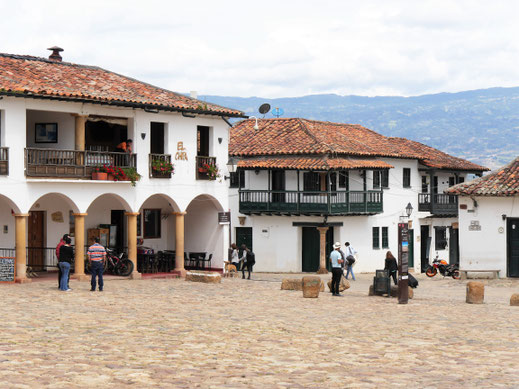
[6, 269]
[403, 264]
[224, 217]
[181, 154]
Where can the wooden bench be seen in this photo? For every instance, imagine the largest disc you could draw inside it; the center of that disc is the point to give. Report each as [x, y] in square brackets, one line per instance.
[463, 273]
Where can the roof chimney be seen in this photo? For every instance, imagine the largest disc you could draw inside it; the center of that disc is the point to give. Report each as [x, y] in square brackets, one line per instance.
[55, 53]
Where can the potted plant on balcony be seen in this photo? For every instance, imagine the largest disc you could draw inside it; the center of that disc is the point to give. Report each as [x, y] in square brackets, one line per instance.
[100, 173]
[131, 174]
[212, 170]
[161, 167]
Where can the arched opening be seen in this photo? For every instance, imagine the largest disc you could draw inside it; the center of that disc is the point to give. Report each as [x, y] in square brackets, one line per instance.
[50, 217]
[156, 234]
[7, 227]
[205, 238]
[106, 220]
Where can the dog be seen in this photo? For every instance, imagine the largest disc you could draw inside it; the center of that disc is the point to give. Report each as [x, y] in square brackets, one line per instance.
[230, 270]
[30, 273]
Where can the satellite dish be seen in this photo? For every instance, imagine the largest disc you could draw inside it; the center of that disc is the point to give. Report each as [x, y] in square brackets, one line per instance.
[277, 112]
[264, 108]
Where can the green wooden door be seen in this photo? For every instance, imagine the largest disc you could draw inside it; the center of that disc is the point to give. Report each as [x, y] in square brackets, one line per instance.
[410, 258]
[310, 249]
[244, 236]
[513, 247]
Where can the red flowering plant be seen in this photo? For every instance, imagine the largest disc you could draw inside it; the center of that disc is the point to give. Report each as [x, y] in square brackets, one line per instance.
[100, 169]
[162, 166]
[116, 172]
[212, 170]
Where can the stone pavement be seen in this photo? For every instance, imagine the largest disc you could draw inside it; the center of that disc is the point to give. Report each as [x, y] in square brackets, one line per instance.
[249, 334]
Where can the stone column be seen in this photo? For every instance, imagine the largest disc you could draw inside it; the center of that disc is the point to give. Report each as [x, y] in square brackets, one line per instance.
[79, 240]
[179, 243]
[79, 139]
[20, 261]
[132, 243]
[322, 262]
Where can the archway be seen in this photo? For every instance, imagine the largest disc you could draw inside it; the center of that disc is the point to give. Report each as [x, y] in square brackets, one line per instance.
[8, 209]
[203, 233]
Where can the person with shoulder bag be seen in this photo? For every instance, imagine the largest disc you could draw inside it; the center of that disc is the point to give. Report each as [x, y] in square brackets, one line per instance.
[249, 260]
[350, 258]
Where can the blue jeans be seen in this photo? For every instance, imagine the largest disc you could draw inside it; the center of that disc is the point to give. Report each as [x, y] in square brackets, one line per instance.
[65, 269]
[96, 269]
[350, 270]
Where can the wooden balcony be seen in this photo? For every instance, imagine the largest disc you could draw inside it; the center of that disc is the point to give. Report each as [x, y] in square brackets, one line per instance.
[201, 171]
[72, 163]
[311, 202]
[442, 204]
[4, 161]
[158, 157]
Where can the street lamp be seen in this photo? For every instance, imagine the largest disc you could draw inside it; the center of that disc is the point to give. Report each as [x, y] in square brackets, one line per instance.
[231, 167]
[409, 210]
[256, 127]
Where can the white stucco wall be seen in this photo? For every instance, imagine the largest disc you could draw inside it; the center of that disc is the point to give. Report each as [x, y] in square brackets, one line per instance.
[486, 248]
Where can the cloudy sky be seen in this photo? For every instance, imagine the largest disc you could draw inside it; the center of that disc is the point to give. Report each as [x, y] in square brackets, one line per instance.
[279, 48]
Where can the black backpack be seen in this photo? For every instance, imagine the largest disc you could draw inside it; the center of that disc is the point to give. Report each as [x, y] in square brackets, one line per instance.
[251, 258]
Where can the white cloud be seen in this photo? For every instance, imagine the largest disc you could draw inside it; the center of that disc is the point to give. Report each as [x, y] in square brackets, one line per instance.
[275, 49]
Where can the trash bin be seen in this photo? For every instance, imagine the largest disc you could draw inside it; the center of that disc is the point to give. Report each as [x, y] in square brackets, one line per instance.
[381, 283]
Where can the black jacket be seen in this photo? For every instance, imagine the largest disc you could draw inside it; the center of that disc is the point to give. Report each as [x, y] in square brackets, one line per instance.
[66, 254]
[391, 265]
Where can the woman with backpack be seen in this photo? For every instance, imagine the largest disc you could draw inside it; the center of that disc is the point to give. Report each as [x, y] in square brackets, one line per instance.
[247, 261]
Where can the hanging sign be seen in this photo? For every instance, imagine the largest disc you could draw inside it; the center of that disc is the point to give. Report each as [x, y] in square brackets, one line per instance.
[224, 217]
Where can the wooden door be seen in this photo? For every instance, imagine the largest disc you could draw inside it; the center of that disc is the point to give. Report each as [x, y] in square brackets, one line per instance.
[425, 244]
[410, 258]
[35, 240]
[278, 184]
[244, 236]
[202, 149]
[157, 138]
[454, 252]
[513, 247]
[310, 249]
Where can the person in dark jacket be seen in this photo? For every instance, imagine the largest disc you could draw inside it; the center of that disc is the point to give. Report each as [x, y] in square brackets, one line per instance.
[58, 247]
[66, 256]
[391, 266]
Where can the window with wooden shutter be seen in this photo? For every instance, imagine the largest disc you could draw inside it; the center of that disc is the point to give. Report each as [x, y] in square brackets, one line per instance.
[376, 237]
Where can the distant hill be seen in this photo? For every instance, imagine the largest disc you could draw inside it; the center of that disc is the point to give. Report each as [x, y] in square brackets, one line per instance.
[480, 125]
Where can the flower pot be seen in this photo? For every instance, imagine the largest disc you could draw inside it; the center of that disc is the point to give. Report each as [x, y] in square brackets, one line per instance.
[110, 177]
[99, 176]
[202, 170]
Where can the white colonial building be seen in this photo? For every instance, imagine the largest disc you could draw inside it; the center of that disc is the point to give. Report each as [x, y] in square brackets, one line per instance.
[489, 221]
[303, 184]
[59, 121]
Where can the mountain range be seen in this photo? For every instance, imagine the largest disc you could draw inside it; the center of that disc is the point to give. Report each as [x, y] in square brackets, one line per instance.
[481, 125]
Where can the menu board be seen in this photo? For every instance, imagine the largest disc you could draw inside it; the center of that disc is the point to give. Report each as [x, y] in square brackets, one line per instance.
[6, 269]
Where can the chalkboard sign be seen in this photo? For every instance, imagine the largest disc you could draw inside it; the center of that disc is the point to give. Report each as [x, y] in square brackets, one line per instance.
[6, 269]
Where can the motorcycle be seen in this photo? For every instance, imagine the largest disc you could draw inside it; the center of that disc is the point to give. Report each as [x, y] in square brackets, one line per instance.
[444, 268]
[116, 264]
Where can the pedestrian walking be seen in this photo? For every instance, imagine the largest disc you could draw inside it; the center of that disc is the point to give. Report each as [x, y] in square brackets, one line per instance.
[96, 258]
[66, 256]
[350, 259]
[58, 247]
[234, 256]
[247, 261]
[336, 261]
[391, 266]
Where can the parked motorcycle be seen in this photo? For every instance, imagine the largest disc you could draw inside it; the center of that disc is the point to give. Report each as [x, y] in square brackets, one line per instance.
[115, 263]
[444, 268]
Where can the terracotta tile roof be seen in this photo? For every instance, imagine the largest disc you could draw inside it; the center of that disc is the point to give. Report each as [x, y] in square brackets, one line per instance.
[317, 162]
[502, 182]
[294, 136]
[42, 78]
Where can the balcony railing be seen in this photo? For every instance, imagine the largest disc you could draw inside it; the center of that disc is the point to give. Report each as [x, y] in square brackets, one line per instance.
[201, 171]
[442, 204]
[72, 163]
[311, 202]
[158, 158]
[4, 161]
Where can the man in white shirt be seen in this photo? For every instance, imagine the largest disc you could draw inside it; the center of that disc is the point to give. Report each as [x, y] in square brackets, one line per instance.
[350, 259]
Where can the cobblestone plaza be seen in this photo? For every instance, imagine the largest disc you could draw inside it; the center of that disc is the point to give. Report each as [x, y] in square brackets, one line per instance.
[170, 333]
